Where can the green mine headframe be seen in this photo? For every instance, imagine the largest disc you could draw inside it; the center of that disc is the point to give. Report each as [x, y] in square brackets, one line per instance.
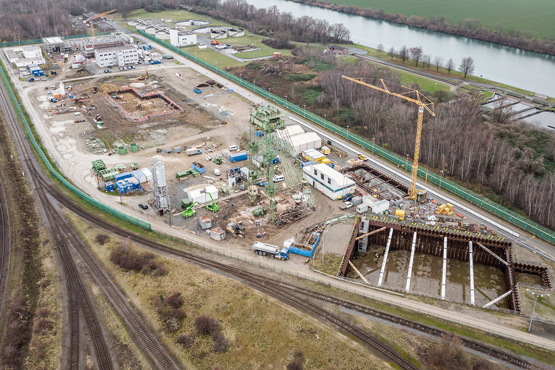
[268, 140]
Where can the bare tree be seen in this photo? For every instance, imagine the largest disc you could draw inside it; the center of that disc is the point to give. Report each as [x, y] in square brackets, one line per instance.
[340, 32]
[426, 60]
[403, 53]
[437, 62]
[450, 65]
[416, 54]
[467, 66]
[380, 49]
[392, 52]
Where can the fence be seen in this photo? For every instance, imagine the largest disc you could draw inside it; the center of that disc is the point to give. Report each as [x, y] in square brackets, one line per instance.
[450, 186]
[364, 292]
[39, 41]
[46, 161]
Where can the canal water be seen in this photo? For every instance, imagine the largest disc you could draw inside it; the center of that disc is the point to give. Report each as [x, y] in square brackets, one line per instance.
[489, 281]
[511, 66]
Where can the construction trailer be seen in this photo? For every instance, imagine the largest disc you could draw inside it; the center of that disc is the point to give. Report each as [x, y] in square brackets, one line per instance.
[328, 181]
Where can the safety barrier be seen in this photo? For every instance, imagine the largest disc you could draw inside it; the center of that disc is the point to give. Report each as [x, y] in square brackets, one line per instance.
[46, 161]
[450, 186]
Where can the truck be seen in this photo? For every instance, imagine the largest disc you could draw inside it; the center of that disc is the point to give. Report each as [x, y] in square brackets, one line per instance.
[194, 151]
[273, 251]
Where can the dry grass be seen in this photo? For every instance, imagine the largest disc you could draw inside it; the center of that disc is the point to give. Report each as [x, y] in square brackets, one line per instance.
[46, 343]
[263, 332]
[330, 265]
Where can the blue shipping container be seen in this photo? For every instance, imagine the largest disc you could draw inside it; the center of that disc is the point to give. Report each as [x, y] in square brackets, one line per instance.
[123, 176]
[238, 157]
[304, 252]
[309, 163]
[109, 186]
[197, 168]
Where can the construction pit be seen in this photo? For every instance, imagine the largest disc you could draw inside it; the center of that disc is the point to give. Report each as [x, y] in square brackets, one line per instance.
[438, 264]
[139, 107]
[212, 121]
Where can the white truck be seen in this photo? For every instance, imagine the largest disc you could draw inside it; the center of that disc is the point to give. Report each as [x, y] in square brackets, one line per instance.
[273, 251]
[194, 151]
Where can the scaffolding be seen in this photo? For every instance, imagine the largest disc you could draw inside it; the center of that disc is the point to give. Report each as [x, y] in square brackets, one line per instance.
[269, 140]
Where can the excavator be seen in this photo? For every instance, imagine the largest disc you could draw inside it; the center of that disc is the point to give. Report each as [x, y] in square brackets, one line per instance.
[189, 211]
[212, 207]
[236, 230]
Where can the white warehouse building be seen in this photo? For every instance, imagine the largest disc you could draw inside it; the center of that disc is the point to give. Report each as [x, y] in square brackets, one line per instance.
[116, 56]
[182, 38]
[328, 181]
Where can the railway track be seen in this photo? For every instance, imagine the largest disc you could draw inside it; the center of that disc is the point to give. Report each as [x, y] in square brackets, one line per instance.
[65, 236]
[6, 246]
[291, 293]
[287, 290]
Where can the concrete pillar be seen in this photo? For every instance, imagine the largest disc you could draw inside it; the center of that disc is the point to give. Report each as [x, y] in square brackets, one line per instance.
[444, 275]
[407, 288]
[470, 259]
[382, 271]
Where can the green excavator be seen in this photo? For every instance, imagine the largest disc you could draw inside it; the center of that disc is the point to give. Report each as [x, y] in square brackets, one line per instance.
[189, 211]
[212, 207]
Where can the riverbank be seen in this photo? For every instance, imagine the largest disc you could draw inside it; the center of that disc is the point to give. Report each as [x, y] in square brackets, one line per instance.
[470, 28]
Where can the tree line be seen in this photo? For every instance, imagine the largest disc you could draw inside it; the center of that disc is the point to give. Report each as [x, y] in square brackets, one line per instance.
[417, 55]
[471, 28]
[458, 142]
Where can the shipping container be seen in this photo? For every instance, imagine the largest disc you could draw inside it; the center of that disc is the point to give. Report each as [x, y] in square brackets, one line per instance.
[139, 176]
[238, 157]
[147, 174]
[109, 186]
[199, 167]
[123, 176]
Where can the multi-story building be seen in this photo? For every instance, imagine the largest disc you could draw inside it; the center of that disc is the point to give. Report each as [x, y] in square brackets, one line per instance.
[116, 56]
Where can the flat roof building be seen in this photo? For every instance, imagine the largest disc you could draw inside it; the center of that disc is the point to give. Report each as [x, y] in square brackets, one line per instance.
[116, 56]
[328, 181]
[22, 56]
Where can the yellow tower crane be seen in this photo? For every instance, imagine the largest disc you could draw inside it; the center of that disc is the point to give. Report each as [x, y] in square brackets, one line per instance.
[423, 103]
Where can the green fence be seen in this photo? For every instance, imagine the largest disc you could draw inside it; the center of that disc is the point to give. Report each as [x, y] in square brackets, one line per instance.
[66, 183]
[466, 194]
[39, 41]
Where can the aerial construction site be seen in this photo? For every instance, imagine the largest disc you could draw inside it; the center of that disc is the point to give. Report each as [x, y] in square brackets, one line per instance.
[212, 174]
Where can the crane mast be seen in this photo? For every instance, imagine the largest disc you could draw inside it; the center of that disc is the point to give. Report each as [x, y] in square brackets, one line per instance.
[423, 104]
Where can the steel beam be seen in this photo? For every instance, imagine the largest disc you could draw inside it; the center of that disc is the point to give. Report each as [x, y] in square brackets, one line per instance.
[382, 271]
[370, 233]
[493, 254]
[407, 288]
[471, 261]
[497, 299]
[444, 275]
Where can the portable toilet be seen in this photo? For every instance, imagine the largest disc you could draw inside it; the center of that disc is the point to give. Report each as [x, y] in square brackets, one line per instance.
[109, 186]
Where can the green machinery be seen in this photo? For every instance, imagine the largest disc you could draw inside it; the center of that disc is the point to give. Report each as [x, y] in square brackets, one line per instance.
[98, 166]
[217, 160]
[189, 211]
[268, 138]
[212, 207]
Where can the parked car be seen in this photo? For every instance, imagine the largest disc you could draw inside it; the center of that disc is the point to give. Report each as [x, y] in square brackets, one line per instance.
[143, 206]
[346, 205]
[347, 197]
[132, 66]
[106, 71]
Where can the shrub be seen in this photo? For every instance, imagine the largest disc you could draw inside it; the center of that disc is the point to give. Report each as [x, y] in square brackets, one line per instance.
[186, 341]
[220, 343]
[102, 239]
[301, 77]
[160, 271]
[44, 326]
[206, 325]
[131, 260]
[296, 364]
[175, 300]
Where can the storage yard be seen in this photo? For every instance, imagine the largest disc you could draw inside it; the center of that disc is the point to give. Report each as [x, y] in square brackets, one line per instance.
[196, 159]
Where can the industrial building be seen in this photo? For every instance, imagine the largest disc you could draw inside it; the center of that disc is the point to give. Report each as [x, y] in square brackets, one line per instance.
[182, 38]
[116, 56]
[24, 55]
[53, 44]
[328, 181]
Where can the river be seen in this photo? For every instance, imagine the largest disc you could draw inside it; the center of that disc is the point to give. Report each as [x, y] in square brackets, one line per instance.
[523, 69]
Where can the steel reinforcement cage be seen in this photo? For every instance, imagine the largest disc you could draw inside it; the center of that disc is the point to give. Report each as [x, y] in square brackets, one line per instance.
[46, 161]
[450, 186]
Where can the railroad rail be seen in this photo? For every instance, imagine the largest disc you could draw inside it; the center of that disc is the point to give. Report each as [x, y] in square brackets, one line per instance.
[65, 236]
[6, 245]
[264, 282]
[285, 292]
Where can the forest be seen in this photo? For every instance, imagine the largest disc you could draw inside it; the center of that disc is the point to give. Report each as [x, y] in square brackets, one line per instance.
[509, 162]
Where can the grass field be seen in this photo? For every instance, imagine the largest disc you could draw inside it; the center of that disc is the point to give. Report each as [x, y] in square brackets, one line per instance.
[264, 51]
[533, 15]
